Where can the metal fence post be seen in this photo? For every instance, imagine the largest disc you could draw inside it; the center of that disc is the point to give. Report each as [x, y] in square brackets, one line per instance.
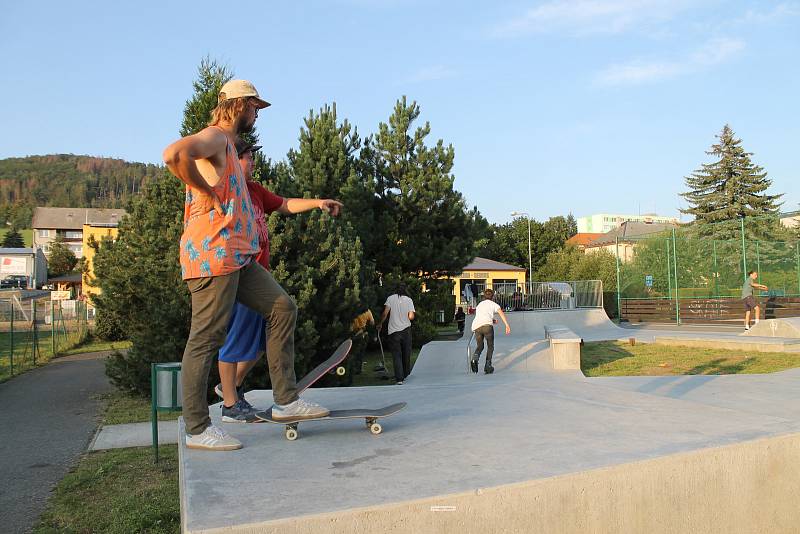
[744, 253]
[758, 262]
[53, 327]
[716, 269]
[616, 255]
[11, 305]
[669, 271]
[675, 267]
[797, 249]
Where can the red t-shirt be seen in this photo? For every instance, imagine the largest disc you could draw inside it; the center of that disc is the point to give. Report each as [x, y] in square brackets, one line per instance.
[264, 203]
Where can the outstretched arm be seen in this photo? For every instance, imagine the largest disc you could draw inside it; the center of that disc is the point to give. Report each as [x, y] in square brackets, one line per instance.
[299, 205]
[760, 286]
[503, 317]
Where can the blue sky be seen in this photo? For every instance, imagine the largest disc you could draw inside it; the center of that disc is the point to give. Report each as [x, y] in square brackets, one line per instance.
[553, 107]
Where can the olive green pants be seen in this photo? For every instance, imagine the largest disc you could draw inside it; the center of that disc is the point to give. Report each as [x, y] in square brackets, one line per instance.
[212, 304]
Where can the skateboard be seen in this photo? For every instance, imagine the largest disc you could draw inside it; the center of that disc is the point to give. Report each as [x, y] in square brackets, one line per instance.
[319, 371]
[370, 416]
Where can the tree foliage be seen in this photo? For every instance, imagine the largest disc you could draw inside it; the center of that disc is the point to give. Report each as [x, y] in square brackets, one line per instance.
[13, 239]
[730, 188]
[61, 259]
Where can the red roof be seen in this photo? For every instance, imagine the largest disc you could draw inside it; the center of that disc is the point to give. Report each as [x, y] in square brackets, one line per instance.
[583, 239]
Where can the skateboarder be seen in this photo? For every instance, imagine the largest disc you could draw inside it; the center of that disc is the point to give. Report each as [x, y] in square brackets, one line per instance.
[460, 318]
[483, 327]
[399, 308]
[217, 252]
[246, 339]
[749, 299]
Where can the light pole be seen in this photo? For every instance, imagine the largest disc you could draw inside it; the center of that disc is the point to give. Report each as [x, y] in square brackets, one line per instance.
[530, 260]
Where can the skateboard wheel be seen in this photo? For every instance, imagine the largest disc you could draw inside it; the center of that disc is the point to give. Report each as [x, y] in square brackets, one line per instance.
[291, 434]
[341, 371]
[375, 428]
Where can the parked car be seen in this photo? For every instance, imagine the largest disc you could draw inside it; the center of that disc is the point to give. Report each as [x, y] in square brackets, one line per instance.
[18, 281]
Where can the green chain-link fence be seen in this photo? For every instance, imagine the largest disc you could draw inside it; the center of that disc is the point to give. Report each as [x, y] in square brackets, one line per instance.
[681, 275]
[32, 331]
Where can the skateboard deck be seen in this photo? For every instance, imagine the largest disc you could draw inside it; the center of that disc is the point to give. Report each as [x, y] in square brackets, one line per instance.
[370, 417]
[319, 371]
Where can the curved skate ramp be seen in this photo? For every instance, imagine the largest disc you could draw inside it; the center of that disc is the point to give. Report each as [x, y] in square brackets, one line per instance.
[788, 327]
[525, 350]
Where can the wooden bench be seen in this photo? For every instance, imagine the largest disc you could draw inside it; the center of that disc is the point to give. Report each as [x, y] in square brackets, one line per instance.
[565, 346]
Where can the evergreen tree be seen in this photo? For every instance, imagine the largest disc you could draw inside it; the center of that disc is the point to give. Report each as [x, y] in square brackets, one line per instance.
[425, 224]
[61, 259]
[318, 259]
[13, 239]
[729, 189]
[139, 274]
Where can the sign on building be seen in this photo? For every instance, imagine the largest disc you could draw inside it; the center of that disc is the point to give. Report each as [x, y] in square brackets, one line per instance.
[13, 265]
[60, 295]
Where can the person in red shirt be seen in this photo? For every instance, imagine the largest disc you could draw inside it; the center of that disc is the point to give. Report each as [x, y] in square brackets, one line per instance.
[246, 340]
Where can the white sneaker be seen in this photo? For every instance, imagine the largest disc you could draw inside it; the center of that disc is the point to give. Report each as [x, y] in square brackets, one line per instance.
[213, 438]
[299, 409]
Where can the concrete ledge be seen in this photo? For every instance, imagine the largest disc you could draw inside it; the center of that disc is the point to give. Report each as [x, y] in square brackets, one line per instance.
[565, 346]
[751, 344]
[746, 487]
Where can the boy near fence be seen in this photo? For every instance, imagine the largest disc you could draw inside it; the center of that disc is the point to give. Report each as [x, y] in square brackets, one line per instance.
[749, 299]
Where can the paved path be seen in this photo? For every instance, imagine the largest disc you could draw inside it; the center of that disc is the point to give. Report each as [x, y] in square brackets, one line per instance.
[48, 417]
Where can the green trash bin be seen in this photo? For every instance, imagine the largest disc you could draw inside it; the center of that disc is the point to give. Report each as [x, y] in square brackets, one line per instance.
[165, 394]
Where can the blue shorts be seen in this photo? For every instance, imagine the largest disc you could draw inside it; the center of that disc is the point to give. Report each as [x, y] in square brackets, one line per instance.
[246, 336]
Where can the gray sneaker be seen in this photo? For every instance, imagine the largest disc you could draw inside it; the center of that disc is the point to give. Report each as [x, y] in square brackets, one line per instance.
[299, 409]
[213, 438]
[240, 412]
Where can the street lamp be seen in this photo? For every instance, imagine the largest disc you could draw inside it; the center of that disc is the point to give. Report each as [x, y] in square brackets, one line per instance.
[530, 260]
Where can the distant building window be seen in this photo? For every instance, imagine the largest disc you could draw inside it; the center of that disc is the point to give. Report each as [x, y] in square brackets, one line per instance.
[43, 233]
[46, 249]
[72, 234]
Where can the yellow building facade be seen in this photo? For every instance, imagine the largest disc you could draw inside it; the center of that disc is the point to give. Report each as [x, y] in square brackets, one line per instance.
[484, 273]
[94, 232]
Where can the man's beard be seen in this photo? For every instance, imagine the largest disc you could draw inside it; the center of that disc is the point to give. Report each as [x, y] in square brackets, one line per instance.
[242, 127]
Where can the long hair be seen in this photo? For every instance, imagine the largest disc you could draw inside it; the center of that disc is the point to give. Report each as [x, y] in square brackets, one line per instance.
[401, 290]
[227, 110]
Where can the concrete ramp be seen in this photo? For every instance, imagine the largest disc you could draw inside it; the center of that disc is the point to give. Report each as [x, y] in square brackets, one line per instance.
[788, 327]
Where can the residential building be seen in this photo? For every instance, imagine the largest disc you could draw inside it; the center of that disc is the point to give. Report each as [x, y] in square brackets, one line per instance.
[96, 232]
[481, 273]
[790, 219]
[580, 240]
[622, 241]
[27, 262]
[50, 223]
[605, 222]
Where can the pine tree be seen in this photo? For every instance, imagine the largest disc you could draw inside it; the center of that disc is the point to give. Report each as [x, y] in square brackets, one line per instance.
[425, 223]
[139, 274]
[729, 189]
[318, 259]
[61, 259]
[13, 239]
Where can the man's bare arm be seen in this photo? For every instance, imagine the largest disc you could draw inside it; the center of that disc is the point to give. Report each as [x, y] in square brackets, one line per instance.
[503, 317]
[291, 206]
[181, 156]
[384, 315]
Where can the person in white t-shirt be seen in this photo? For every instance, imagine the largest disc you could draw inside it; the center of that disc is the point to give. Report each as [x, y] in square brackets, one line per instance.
[483, 327]
[399, 308]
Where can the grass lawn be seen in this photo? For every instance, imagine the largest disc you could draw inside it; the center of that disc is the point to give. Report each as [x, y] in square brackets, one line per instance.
[26, 233]
[117, 491]
[617, 358]
[94, 344]
[124, 408]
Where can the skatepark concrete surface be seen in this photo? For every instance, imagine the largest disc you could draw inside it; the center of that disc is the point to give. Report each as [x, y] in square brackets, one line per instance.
[526, 449]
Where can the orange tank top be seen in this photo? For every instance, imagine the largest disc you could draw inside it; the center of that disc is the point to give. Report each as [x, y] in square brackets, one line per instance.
[214, 244]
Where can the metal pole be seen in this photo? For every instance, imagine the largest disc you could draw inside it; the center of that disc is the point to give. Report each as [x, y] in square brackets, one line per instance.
[153, 415]
[675, 267]
[11, 304]
[616, 255]
[530, 258]
[744, 253]
[758, 262]
[716, 270]
[669, 272]
[797, 248]
[53, 327]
